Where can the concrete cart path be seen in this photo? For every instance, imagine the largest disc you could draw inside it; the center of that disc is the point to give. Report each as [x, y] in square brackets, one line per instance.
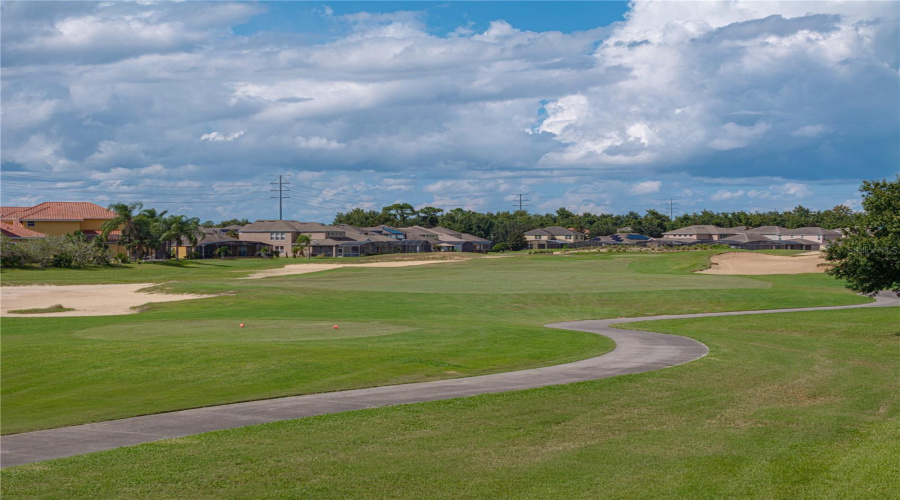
[635, 352]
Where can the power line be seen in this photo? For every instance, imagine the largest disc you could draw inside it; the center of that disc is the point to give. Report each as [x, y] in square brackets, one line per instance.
[281, 182]
[522, 199]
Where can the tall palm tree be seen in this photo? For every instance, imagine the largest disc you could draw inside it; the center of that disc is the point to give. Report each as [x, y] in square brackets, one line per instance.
[156, 227]
[132, 234]
[301, 244]
[180, 228]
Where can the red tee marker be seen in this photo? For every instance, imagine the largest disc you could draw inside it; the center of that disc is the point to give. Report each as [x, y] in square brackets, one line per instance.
[242, 325]
[335, 327]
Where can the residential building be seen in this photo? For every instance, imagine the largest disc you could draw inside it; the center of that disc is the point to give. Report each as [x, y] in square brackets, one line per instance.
[19, 233]
[281, 234]
[447, 240]
[60, 218]
[552, 237]
[812, 234]
[700, 232]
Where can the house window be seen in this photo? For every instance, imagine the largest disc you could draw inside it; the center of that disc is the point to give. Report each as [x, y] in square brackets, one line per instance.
[537, 237]
[568, 236]
[276, 236]
[30, 223]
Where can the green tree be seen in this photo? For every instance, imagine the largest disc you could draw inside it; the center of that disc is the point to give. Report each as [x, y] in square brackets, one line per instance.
[134, 234]
[429, 216]
[300, 245]
[221, 252]
[399, 213]
[868, 257]
[180, 228]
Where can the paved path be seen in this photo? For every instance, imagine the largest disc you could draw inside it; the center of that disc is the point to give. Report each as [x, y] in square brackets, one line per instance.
[635, 352]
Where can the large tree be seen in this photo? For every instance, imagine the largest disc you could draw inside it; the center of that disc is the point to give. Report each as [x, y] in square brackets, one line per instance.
[868, 258]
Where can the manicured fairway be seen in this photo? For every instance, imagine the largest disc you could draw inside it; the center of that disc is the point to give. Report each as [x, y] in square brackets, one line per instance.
[799, 405]
[401, 325]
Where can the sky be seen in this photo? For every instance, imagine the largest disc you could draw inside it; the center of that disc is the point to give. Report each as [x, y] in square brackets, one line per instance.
[603, 107]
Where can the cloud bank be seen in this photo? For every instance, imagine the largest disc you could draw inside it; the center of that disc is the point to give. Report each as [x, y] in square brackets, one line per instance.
[693, 96]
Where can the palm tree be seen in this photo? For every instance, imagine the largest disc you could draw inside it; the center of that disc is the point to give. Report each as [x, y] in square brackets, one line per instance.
[222, 252]
[156, 223]
[179, 228]
[133, 235]
[301, 244]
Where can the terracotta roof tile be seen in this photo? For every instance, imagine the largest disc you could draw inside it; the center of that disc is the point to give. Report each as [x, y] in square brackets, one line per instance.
[19, 232]
[9, 212]
[65, 210]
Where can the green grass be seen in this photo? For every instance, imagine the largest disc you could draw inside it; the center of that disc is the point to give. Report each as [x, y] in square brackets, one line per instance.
[448, 320]
[798, 405]
[426, 323]
[56, 308]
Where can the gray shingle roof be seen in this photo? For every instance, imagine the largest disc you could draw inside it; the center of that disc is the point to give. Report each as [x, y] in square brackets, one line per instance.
[703, 229]
[552, 230]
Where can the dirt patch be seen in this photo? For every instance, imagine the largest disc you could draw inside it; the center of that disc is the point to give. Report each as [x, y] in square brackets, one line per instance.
[314, 268]
[86, 300]
[747, 263]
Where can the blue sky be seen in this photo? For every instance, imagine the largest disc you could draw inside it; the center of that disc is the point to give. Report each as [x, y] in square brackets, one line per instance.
[592, 106]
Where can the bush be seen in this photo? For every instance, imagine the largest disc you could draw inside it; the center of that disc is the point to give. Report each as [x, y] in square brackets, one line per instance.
[500, 247]
[53, 251]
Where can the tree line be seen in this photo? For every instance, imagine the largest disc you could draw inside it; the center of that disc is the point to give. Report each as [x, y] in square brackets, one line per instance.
[509, 227]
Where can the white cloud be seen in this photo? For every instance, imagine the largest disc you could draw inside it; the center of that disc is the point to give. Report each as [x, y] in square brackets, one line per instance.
[809, 131]
[219, 137]
[319, 143]
[646, 187]
[734, 136]
[723, 194]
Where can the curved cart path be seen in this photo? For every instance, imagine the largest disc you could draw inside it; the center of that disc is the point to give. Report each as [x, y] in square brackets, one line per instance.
[635, 352]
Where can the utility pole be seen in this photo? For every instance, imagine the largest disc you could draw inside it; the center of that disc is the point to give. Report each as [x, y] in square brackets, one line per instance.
[281, 189]
[521, 201]
[671, 209]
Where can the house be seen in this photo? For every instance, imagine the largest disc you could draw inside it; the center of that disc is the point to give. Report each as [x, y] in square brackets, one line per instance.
[390, 232]
[54, 218]
[552, 237]
[629, 239]
[211, 239]
[817, 235]
[19, 233]
[282, 234]
[447, 240]
[750, 241]
[700, 232]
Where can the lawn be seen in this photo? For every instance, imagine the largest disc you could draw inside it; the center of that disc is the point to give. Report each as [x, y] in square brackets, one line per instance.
[797, 405]
[400, 325]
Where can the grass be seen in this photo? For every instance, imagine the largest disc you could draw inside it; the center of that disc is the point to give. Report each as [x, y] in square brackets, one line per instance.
[55, 308]
[798, 405]
[427, 323]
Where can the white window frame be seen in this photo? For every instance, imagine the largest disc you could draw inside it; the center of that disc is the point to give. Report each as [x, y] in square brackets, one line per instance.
[277, 236]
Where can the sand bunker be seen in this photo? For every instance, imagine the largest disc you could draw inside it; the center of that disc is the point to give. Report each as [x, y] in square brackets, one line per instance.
[747, 263]
[87, 300]
[314, 268]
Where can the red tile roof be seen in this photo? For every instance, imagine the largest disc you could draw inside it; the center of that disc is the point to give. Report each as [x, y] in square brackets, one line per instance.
[8, 212]
[19, 232]
[65, 210]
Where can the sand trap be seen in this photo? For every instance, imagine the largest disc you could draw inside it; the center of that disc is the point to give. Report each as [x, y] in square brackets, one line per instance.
[314, 268]
[747, 263]
[87, 300]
